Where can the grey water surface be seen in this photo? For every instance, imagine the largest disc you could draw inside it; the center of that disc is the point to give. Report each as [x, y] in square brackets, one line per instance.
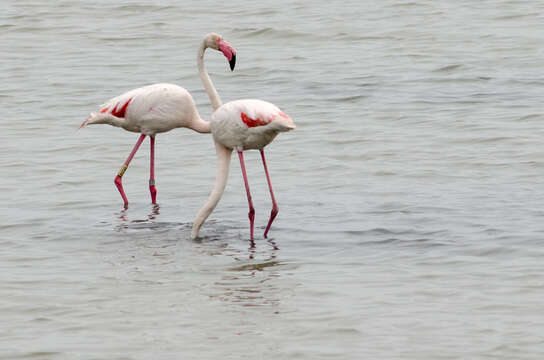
[411, 193]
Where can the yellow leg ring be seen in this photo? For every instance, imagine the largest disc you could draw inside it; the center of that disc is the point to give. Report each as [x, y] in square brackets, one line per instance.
[123, 169]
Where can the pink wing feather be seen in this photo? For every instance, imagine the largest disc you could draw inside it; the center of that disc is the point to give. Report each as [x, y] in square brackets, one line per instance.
[118, 105]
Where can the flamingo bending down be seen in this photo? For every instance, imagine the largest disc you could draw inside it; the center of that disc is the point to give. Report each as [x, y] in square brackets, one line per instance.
[242, 125]
[160, 108]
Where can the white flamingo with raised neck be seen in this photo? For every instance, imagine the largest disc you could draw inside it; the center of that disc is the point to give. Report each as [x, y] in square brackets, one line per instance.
[158, 108]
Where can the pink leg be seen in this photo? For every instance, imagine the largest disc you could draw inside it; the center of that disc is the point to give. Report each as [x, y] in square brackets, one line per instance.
[152, 188]
[275, 209]
[251, 213]
[117, 179]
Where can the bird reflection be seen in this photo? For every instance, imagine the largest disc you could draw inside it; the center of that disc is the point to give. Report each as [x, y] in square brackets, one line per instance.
[154, 212]
[252, 280]
[240, 272]
[251, 249]
[125, 223]
[122, 215]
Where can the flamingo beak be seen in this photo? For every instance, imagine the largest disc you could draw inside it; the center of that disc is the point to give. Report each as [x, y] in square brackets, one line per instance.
[232, 62]
[228, 51]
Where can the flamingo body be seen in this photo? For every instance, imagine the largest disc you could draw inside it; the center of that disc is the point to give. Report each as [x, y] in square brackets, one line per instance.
[248, 124]
[149, 110]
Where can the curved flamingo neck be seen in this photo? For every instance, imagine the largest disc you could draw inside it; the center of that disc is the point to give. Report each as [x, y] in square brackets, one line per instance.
[200, 125]
[222, 173]
[205, 78]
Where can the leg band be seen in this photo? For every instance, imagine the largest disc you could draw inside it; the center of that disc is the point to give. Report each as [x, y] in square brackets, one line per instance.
[123, 169]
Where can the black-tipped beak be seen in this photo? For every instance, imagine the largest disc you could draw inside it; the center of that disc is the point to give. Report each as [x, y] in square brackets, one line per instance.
[232, 62]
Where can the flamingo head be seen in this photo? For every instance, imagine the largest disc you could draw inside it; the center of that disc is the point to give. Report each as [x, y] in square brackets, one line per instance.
[216, 42]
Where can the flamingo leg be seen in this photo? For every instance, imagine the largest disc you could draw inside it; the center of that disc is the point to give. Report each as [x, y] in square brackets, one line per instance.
[152, 188]
[275, 208]
[117, 179]
[251, 213]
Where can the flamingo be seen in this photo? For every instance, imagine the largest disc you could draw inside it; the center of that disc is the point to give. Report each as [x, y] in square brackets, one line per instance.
[158, 108]
[242, 125]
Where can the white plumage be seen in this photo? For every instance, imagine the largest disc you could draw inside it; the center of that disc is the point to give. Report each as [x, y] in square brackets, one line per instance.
[242, 125]
[263, 121]
[159, 108]
[149, 110]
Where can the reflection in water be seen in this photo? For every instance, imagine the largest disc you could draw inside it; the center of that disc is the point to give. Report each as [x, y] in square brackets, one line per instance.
[251, 281]
[154, 212]
[252, 248]
[122, 215]
[235, 271]
[222, 266]
[126, 223]
[248, 289]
